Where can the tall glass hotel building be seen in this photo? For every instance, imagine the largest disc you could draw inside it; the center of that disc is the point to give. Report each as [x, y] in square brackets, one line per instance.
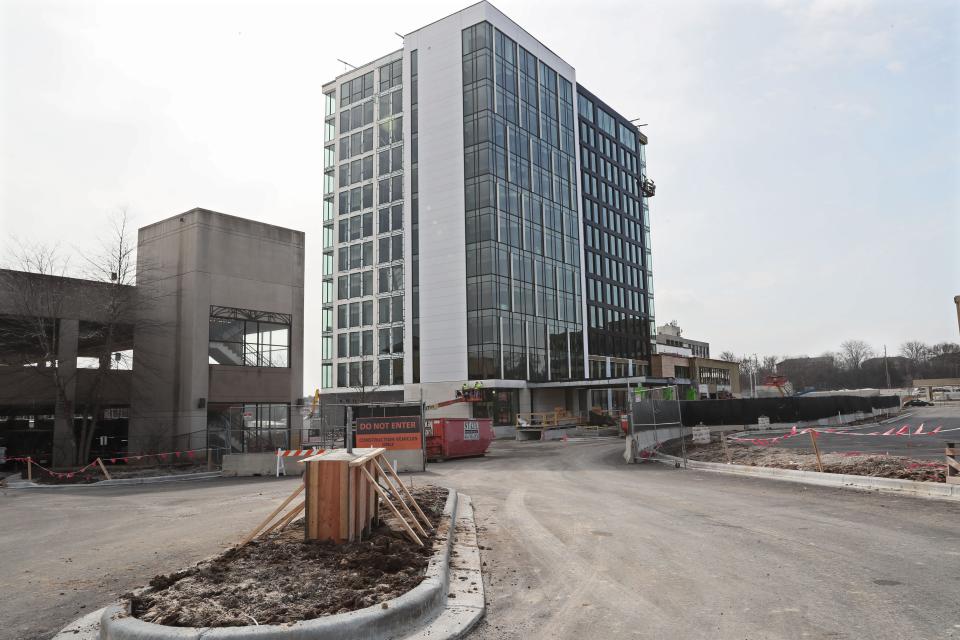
[484, 223]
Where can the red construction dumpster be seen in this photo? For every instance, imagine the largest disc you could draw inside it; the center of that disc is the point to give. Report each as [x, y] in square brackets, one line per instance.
[457, 437]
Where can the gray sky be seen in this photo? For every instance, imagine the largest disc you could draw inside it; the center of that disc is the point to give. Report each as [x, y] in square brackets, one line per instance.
[806, 154]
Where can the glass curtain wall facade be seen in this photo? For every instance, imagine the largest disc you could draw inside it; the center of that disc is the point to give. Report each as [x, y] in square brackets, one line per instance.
[616, 227]
[522, 225]
[363, 260]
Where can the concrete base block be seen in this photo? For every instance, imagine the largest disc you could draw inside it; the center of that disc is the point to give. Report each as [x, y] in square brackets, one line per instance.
[257, 464]
[505, 432]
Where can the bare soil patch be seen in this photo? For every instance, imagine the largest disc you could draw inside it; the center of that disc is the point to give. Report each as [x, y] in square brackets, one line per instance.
[805, 460]
[284, 578]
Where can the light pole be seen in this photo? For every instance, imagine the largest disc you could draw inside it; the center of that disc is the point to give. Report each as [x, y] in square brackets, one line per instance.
[956, 300]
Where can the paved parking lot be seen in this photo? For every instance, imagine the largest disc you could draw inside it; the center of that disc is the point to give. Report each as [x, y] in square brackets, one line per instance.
[576, 544]
[921, 447]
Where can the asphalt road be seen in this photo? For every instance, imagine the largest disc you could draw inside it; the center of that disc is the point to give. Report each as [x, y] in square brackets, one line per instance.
[576, 545]
[921, 447]
[65, 552]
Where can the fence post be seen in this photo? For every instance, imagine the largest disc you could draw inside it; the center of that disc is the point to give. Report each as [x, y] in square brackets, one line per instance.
[816, 449]
[29, 469]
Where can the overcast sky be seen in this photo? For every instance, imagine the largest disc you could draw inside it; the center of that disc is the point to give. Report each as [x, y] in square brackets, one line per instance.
[805, 154]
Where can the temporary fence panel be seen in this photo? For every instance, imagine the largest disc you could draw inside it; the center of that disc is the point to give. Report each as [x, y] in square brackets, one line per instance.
[779, 410]
[655, 417]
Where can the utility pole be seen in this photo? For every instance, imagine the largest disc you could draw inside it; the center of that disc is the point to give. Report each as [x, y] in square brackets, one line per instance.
[886, 368]
[956, 300]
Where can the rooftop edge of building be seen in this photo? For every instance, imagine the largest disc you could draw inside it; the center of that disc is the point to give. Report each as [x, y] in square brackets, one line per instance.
[376, 62]
[208, 216]
[466, 8]
[505, 16]
[616, 114]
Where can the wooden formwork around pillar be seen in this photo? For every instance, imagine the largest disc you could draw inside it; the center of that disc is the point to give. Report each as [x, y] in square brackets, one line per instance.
[953, 464]
[341, 505]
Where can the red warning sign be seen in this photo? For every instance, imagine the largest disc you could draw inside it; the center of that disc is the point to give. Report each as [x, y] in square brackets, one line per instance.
[390, 433]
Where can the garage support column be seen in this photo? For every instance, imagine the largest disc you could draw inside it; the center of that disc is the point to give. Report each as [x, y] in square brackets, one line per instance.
[64, 451]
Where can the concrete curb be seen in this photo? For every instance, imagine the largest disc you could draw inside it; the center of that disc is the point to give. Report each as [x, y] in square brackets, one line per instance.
[932, 490]
[402, 613]
[465, 600]
[85, 628]
[204, 475]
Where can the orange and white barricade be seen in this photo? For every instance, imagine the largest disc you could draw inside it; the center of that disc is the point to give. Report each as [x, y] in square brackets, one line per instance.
[293, 453]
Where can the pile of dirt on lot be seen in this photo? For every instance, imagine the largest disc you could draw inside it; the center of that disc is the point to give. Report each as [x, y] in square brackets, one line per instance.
[284, 578]
[805, 460]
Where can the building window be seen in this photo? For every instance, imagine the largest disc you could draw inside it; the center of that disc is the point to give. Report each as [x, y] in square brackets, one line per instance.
[246, 338]
[249, 428]
[390, 131]
[391, 75]
[357, 89]
[390, 160]
[391, 104]
[391, 218]
[391, 279]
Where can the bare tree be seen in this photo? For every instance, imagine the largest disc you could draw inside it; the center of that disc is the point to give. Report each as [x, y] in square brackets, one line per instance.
[115, 263]
[35, 295]
[916, 351]
[943, 348]
[39, 295]
[768, 366]
[854, 352]
[729, 356]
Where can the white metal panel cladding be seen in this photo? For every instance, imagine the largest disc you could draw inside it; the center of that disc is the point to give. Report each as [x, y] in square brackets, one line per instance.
[443, 349]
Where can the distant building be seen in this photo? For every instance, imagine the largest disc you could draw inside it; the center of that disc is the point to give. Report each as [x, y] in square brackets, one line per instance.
[707, 378]
[204, 351]
[670, 340]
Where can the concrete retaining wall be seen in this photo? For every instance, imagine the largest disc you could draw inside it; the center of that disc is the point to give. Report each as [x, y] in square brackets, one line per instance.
[543, 435]
[406, 460]
[505, 432]
[256, 464]
[644, 440]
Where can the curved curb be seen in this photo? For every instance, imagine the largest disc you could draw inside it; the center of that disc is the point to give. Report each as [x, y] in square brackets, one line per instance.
[423, 601]
[932, 490]
[466, 600]
[85, 628]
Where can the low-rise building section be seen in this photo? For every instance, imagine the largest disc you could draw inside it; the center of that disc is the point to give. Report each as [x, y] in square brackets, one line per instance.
[204, 351]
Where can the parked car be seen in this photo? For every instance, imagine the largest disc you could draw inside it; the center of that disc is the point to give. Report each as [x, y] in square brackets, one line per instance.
[917, 403]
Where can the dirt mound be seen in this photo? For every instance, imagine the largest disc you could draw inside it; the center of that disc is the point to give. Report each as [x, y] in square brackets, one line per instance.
[284, 578]
[844, 463]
